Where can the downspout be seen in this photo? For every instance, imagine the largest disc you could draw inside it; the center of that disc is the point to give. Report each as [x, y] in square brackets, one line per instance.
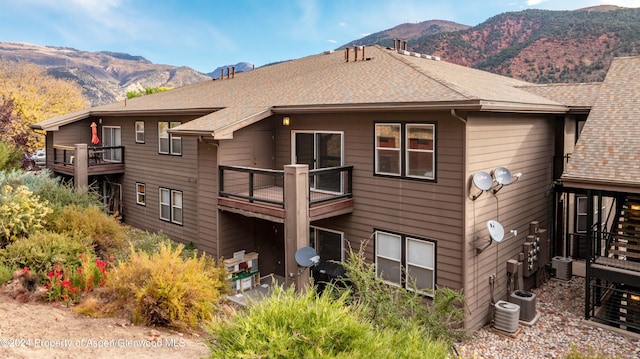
[465, 257]
[217, 146]
[454, 114]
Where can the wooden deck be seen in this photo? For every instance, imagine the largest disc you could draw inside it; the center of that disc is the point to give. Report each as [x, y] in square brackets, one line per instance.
[92, 170]
[268, 203]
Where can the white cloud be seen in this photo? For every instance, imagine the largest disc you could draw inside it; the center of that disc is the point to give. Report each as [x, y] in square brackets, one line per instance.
[332, 41]
[535, 2]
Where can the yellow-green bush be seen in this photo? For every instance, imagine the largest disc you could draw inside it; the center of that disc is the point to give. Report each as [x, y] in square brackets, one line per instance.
[165, 289]
[42, 250]
[91, 223]
[288, 325]
[6, 273]
[21, 213]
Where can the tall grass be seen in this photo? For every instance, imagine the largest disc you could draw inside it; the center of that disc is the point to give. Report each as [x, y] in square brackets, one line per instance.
[397, 308]
[311, 325]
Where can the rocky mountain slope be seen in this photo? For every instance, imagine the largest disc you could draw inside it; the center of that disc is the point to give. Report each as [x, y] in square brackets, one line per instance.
[539, 46]
[104, 76]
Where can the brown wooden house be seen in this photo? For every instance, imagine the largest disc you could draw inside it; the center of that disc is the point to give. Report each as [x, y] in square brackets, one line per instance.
[371, 146]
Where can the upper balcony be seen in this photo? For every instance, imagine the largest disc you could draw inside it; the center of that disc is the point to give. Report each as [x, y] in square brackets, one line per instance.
[99, 160]
[256, 192]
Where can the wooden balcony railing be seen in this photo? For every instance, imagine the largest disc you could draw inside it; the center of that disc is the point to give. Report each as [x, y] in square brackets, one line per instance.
[96, 156]
[266, 186]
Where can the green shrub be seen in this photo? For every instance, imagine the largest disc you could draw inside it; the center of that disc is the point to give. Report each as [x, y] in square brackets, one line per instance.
[42, 250]
[397, 308]
[10, 157]
[6, 273]
[165, 289]
[91, 224]
[149, 243]
[287, 325]
[51, 189]
[21, 213]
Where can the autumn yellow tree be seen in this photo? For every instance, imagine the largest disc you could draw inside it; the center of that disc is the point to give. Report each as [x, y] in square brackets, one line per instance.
[36, 96]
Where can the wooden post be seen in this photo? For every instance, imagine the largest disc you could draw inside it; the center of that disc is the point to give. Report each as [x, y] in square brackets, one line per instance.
[80, 166]
[296, 222]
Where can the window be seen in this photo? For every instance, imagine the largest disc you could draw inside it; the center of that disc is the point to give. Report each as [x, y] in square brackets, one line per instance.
[168, 143]
[140, 194]
[406, 150]
[581, 214]
[388, 149]
[171, 205]
[328, 244]
[176, 207]
[139, 132]
[406, 261]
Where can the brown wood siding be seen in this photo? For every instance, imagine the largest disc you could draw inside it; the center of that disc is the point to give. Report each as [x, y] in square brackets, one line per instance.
[144, 164]
[77, 132]
[207, 198]
[236, 234]
[251, 146]
[432, 210]
[522, 144]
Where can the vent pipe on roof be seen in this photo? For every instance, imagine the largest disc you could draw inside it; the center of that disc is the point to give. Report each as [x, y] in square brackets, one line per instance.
[355, 53]
[233, 71]
[363, 58]
[404, 45]
[346, 54]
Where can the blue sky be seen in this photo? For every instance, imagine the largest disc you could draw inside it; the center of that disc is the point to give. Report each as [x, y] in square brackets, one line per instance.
[205, 34]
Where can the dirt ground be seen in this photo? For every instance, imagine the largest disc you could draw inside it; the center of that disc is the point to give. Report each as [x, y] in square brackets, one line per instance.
[44, 330]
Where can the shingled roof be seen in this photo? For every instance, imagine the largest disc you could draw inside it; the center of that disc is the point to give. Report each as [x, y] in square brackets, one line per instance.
[575, 95]
[377, 79]
[607, 153]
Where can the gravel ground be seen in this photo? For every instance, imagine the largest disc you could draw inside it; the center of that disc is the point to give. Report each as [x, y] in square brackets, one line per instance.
[560, 326]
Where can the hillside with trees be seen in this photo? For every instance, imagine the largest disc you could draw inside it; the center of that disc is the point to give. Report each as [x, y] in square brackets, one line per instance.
[539, 46]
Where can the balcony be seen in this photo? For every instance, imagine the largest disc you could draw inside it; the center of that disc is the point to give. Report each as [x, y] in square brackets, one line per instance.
[260, 193]
[99, 160]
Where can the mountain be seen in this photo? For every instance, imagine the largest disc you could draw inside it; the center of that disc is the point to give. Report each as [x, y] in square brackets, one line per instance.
[539, 46]
[104, 76]
[408, 31]
[223, 70]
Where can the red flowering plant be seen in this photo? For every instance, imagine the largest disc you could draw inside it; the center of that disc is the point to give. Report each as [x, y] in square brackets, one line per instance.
[69, 283]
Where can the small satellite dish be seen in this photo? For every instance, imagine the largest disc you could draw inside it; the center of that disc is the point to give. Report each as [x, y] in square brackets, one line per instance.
[496, 231]
[502, 175]
[482, 180]
[306, 257]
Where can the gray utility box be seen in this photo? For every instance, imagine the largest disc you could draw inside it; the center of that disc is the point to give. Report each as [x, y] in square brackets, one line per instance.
[562, 267]
[527, 302]
[506, 316]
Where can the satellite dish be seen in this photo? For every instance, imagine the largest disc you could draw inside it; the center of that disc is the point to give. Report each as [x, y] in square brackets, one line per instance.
[306, 257]
[502, 175]
[482, 180]
[496, 231]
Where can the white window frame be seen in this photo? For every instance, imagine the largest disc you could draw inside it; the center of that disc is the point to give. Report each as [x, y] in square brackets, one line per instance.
[404, 151]
[163, 204]
[175, 206]
[581, 215]
[141, 195]
[172, 206]
[172, 139]
[315, 242]
[409, 150]
[139, 131]
[403, 261]
[397, 149]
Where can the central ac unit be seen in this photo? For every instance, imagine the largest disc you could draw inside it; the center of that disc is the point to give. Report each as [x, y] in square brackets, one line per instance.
[507, 316]
[527, 302]
[562, 267]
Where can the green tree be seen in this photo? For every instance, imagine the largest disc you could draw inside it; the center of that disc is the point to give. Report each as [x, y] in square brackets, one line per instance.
[146, 91]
